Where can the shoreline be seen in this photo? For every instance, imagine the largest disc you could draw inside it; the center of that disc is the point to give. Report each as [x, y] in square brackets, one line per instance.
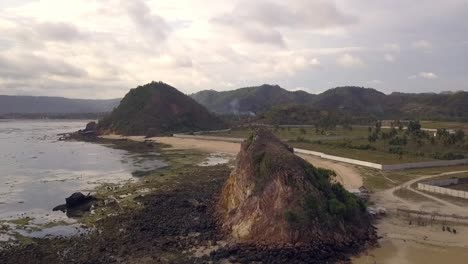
[346, 174]
[172, 205]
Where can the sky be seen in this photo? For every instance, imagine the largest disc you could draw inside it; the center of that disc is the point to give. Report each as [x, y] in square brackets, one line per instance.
[103, 48]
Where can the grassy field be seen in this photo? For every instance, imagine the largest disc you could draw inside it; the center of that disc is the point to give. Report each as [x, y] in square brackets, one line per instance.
[410, 195]
[380, 155]
[305, 133]
[354, 144]
[377, 180]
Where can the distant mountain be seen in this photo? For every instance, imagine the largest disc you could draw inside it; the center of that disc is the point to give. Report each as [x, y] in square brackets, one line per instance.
[250, 99]
[53, 105]
[158, 109]
[356, 101]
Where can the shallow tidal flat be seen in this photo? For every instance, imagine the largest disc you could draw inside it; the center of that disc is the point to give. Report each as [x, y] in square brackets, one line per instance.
[38, 172]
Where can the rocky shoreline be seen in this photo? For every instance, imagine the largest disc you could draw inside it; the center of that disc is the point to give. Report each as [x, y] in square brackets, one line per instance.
[174, 222]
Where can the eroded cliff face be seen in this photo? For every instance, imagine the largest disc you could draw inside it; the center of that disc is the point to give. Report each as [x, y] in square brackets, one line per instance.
[274, 197]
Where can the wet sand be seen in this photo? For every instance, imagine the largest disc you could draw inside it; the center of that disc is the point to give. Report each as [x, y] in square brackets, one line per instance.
[346, 174]
[400, 252]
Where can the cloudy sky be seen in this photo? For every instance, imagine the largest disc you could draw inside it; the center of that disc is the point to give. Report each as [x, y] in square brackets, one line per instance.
[102, 48]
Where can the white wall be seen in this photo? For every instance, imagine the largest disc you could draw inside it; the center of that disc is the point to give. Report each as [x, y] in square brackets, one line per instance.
[426, 164]
[401, 166]
[341, 159]
[442, 190]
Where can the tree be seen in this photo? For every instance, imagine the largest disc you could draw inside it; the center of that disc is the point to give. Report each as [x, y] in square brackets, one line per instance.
[378, 126]
[414, 127]
[373, 137]
[460, 135]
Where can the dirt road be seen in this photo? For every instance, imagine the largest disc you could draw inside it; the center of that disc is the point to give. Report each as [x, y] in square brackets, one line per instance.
[388, 198]
[347, 175]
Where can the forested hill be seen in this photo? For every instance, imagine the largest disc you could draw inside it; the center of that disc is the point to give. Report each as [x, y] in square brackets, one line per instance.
[251, 99]
[355, 101]
[53, 105]
[158, 109]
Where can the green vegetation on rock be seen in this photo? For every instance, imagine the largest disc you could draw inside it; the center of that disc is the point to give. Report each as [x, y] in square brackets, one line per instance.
[158, 109]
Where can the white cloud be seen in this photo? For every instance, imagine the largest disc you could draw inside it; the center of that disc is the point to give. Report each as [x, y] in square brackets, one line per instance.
[375, 82]
[389, 57]
[265, 21]
[87, 48]
[424, 75]
[349, 61]
[422, 45]
[392, 47]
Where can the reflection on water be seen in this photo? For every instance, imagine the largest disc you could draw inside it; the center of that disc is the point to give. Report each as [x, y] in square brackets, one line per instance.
[37, 171]
[215, 159]
[397, 251]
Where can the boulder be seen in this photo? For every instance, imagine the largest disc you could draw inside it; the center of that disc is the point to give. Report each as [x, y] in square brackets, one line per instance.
[77, 204]
[91, 126]
[274, 197]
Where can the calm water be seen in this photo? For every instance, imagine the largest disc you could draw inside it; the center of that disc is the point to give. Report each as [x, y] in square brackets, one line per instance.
[37, 172]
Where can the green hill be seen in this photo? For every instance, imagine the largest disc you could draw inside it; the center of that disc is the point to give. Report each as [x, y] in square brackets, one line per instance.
[158, 109]
[250, 100]
[355, 101]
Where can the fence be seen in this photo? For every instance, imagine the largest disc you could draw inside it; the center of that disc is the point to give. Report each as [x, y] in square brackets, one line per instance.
[340, 159]
[442, 190]
[383, 167]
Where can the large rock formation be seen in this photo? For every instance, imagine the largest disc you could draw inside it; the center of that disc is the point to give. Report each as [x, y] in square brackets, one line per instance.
[158, 109]
[273, 197]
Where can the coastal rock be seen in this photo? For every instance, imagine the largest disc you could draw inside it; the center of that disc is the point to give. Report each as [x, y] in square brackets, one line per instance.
[76, 204]
[274, 197]
[91, 126]
[78, 199]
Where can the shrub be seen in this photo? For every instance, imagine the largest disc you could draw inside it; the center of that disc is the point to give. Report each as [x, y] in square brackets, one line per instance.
[398, 141]
[395, 150]
[291, 217]
[448, 156]
[336, 207]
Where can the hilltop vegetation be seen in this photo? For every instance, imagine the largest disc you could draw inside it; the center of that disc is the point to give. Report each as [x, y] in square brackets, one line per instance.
[158, 109]
[250, 100]
[356, 101]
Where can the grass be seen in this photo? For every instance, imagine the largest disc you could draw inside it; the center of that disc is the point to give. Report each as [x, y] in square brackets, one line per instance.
[411, 196]
[294, 133]
[450, 199]
[376, 156]
[354, 144]
[22, 222]
[377, 180]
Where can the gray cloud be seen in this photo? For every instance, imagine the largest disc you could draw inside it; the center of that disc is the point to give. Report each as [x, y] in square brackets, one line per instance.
[262, 21]
[27, 66]
[224, 44]
[148, 23]
[59, 32]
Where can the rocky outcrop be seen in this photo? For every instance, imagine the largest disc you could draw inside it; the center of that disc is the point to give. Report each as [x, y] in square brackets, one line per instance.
[90, 133]
[274, 197]
[158, 109]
